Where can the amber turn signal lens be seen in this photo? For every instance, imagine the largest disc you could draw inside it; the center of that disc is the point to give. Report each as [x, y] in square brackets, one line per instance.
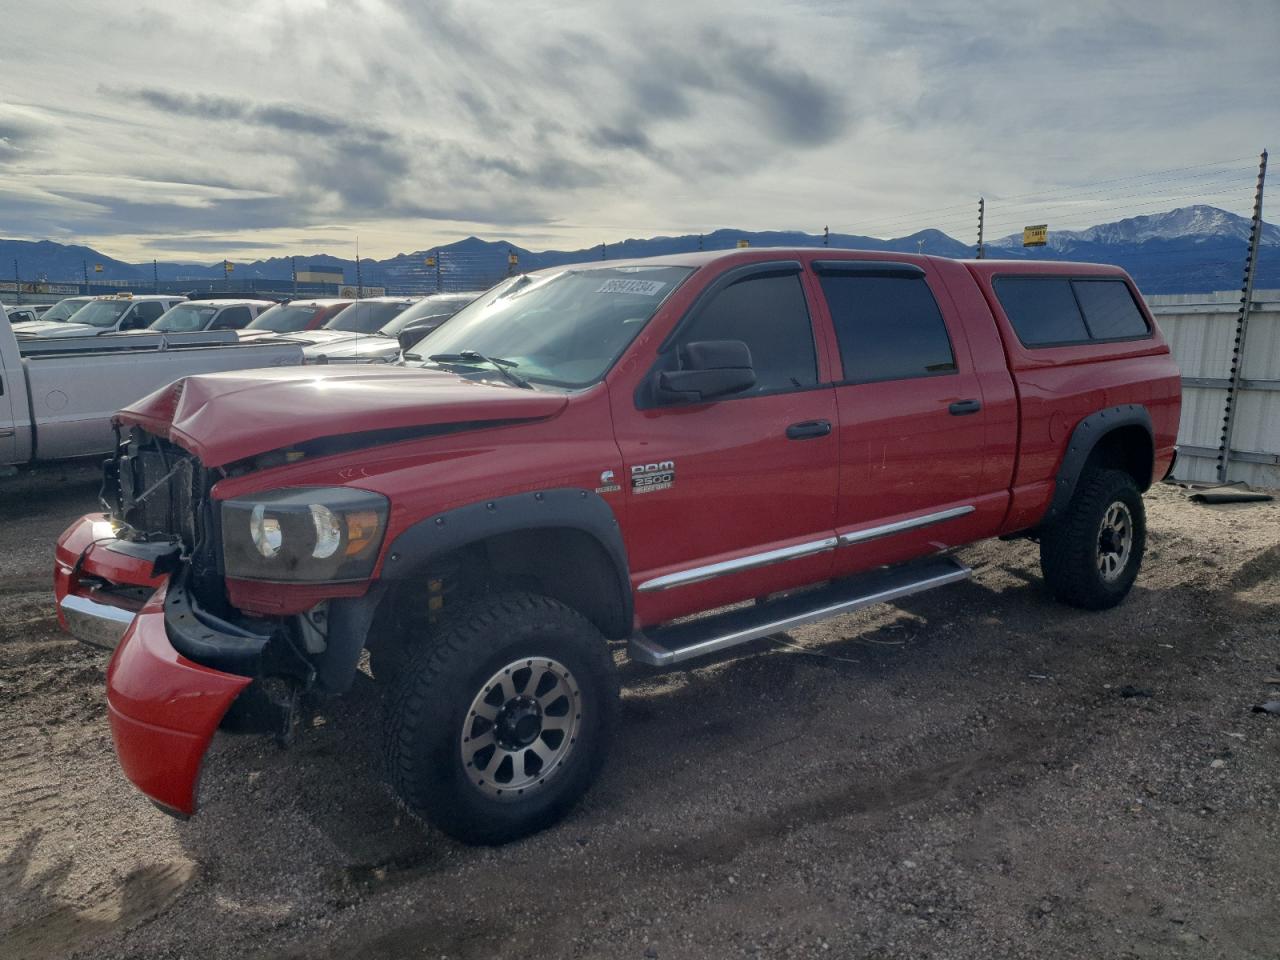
[362, 530]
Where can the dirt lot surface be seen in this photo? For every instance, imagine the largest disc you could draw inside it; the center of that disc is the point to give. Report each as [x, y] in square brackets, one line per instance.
[973, 773]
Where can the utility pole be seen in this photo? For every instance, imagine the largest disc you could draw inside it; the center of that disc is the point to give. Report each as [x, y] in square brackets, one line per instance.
[293, 269]
[604, 252]
[826, 236]
[85, 265]
[155, 275]
[17, 284]
[982, 215]
[226, 272]
[359, 276]
[438, 284]
[1242, 324]
[699, 241]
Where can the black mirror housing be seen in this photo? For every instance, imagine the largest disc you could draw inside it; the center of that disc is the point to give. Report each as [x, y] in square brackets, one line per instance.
[708, 369]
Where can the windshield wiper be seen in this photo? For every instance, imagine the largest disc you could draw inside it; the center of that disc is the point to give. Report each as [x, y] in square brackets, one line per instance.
[470, 356]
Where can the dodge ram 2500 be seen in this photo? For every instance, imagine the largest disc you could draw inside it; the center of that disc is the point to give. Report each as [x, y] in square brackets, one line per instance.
[624, 450]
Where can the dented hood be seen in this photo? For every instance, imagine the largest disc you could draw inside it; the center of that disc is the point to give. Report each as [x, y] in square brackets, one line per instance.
[224, 417]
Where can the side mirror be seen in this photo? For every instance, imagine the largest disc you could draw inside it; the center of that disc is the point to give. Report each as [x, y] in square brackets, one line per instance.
[708, 369]
[412, 335]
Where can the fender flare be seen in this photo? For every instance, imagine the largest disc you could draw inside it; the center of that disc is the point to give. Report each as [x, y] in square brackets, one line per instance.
[442, 533]
[1084, 438]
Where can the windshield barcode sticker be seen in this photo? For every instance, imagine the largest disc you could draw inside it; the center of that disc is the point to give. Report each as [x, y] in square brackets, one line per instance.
[647, 288]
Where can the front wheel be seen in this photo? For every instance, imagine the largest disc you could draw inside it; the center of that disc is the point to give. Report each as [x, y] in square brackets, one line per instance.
[502, 720]
[1091, 554]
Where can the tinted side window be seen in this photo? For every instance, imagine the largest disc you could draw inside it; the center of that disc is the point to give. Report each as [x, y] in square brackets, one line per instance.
[1109, 309]
[889, 328]
[770, 316]
[145, 313]
[1042, 310]
[232, 318]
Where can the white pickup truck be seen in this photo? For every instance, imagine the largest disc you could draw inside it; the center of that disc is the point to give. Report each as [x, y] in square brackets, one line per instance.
[57, 396]
[117, 312]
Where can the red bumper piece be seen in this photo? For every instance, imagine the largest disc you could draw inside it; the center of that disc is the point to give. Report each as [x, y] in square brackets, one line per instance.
[164, 710]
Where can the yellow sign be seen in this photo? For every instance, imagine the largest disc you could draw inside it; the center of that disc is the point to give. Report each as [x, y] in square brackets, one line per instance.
[744, 243]
[230, 266]
[512, 259]
[97, 268]
[1036, 236]
[430, 261]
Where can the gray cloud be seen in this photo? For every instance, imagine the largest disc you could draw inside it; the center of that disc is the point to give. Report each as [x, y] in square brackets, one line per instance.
[794, 103]
[276, 116]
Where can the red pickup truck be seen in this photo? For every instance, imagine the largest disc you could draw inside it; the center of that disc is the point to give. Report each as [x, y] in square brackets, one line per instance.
[620, 450]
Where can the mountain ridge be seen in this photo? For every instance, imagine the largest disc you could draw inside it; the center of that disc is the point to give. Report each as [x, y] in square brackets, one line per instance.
[1180, 250]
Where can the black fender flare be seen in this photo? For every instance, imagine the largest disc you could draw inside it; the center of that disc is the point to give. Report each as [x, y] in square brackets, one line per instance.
[442, 533]
[1084, 438]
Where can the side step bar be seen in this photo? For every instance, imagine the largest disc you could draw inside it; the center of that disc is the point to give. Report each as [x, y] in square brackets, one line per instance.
[664, 646]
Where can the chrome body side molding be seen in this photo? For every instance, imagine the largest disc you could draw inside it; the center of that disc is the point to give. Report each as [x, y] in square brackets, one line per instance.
[683, 578]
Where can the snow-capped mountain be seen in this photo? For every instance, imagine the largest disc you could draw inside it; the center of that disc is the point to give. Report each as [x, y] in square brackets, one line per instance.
[1197, 223]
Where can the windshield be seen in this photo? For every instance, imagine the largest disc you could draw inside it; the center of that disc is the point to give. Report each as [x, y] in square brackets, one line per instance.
[64, 308]
[101, 313]
[565, 328]
[285, 318]
[427, 310]
[185, 319]
[366, 316]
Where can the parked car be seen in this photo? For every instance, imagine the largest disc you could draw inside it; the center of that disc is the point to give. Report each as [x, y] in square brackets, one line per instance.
[64, 308]
[195, 315]
[298, 315]
[22, 314]
[57, 395]
[111, 314]
[404, 330]
[605, 451]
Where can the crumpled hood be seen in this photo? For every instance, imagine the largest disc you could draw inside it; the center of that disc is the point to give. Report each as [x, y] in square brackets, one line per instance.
[55, 328]
[224, 417]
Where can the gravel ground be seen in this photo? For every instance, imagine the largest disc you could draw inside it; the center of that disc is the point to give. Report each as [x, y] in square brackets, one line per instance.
[972, 773]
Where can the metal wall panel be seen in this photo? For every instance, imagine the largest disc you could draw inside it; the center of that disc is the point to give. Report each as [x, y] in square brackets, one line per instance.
[1200, 329]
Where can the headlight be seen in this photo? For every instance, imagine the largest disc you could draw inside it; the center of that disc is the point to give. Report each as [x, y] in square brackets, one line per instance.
[306, 534]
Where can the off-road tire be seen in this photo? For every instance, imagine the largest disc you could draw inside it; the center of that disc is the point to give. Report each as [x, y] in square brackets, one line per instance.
[431, 710]
[1071, 545]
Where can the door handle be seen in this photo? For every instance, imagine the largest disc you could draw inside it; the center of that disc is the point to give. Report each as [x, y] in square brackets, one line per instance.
[964, 407]
[808, 429]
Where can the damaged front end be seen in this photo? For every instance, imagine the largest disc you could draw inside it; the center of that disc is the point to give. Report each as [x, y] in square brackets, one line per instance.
[148, 577]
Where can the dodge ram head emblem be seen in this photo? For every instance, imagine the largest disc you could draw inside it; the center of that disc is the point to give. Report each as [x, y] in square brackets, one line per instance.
[650, 477]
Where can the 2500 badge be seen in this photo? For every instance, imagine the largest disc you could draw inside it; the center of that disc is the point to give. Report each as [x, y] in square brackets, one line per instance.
[648, 477]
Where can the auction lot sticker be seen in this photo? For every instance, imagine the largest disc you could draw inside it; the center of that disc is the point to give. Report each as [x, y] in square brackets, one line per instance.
[646, 288]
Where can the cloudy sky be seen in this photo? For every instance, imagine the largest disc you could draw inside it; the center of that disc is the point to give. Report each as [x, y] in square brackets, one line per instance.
[196, 130]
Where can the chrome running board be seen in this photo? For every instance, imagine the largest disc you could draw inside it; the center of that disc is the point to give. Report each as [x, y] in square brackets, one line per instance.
[664, 646]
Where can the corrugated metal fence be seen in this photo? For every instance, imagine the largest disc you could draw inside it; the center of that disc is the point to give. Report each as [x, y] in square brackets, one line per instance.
[1201, 329]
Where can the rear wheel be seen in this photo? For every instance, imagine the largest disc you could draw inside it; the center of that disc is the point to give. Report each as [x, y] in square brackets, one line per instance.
[501, 721]
[1091, 554]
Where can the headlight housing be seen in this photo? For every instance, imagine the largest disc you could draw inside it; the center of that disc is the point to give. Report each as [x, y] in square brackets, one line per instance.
[303, 535]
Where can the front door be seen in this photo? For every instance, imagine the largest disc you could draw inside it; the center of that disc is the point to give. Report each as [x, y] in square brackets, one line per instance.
[733, 498]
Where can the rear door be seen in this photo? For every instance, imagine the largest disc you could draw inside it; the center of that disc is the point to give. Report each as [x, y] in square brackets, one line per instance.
[733, 498]
[913, 425]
